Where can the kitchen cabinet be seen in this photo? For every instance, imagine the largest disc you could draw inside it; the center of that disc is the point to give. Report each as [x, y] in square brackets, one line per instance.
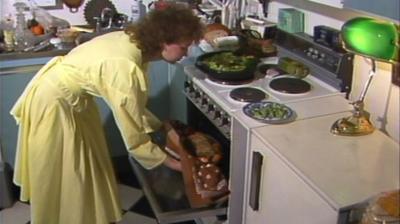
[284, 197]
[333, 3]
[388, 9]
[384, 8]
[14, 76]
[301, 173]
[239, 143]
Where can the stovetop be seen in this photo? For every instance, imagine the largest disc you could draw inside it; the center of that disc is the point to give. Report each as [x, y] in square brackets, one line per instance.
[220, 93]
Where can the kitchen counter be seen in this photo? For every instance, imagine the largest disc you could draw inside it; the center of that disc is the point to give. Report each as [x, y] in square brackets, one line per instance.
[50, 51]
[30, 55]
[26, 62]
[344, 170]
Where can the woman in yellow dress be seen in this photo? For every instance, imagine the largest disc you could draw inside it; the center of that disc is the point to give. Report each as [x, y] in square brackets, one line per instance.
[63, 165]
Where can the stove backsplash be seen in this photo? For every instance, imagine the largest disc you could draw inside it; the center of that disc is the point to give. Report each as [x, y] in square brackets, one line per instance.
[332, 67]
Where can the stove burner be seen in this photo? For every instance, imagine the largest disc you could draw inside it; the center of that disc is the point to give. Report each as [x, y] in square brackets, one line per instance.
[233, 83]
[248, 94]
[290, 85]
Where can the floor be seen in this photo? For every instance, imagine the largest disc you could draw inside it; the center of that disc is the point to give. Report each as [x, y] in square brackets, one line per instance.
[136, 209]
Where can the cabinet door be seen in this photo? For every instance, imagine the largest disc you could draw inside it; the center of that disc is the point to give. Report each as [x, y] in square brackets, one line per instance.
[384, 8]
[14, 76]
[281, 196]
[333, 3]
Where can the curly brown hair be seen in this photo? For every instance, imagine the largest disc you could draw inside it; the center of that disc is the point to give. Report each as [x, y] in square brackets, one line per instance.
[175, 24]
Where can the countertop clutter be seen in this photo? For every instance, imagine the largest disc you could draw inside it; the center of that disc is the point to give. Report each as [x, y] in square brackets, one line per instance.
[33, 32]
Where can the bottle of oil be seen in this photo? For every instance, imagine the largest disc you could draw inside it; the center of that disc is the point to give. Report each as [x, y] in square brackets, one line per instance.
[9, 33]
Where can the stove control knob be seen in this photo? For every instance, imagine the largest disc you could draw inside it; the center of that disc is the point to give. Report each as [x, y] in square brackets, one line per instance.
[188, 86]
[200, 100]
[223, 120]
[193, 91]
[214, 113]
[210, 107]
[217, 114]
[187, 83]
[196, 94]
[322, 58]
[203, 101]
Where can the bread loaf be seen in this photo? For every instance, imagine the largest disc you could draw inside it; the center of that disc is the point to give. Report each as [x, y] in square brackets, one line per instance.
[204, 147]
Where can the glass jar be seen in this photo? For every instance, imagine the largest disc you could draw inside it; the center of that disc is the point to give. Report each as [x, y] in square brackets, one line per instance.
[23, 38]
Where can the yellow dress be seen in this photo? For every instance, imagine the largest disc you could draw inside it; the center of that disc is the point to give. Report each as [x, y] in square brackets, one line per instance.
[62, 163]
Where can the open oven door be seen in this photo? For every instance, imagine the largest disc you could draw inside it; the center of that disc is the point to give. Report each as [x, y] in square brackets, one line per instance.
[164, 189]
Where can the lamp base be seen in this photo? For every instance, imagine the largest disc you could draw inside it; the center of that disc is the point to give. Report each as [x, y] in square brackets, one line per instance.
[353, 126]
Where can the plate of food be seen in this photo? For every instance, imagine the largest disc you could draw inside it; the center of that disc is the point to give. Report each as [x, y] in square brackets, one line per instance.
[270, 112]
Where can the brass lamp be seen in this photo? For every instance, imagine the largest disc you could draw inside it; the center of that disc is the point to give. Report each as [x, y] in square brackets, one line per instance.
[374, 39]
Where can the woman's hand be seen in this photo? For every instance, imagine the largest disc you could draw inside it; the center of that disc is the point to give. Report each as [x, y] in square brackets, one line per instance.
[173, 164]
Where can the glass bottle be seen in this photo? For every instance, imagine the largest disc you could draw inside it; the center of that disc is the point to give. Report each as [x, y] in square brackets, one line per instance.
[9, 33]
[23, 36]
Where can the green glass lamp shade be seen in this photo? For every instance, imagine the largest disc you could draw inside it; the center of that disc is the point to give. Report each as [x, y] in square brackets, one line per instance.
[372, 38]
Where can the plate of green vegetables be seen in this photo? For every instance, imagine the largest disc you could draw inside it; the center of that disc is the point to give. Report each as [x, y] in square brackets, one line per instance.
[270, 112]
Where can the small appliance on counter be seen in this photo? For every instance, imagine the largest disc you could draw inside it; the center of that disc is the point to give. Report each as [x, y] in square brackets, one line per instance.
[291, 20]
[266, 29]
[328, 37]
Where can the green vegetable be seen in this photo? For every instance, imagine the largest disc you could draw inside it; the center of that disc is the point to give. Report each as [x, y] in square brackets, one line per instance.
[227, 62]
[272, 111]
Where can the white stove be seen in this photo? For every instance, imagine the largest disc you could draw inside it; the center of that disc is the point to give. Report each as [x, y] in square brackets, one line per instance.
[214, 99]
[330, 81]
[220, 92]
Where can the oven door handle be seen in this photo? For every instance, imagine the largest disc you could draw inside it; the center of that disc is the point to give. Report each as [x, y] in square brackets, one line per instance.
[255, 181]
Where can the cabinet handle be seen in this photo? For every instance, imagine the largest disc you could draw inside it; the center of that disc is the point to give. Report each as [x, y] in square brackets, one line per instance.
[256, 169]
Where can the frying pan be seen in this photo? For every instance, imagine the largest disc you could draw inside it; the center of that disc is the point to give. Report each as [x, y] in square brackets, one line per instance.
[245, 74]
